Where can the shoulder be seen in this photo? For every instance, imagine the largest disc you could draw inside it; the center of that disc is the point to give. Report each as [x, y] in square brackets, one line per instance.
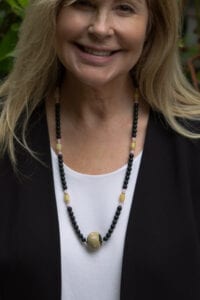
[161, 123]
[34, 153]
[182, 153]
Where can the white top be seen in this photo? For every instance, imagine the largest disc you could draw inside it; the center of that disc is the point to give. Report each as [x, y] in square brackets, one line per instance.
[93, 275]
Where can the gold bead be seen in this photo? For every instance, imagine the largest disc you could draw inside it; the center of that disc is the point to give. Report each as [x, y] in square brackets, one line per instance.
[136, 95]
[133, 146]
[58, 147]
[122, 197]
[66, 198]
[94, 240]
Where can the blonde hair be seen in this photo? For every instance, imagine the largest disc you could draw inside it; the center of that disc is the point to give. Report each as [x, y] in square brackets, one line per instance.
[37, 70]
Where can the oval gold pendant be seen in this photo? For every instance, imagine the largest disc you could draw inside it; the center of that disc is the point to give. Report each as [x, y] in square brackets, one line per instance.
[94, 240]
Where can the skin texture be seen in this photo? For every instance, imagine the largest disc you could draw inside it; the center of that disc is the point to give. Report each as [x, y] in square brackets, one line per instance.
[97, 91]
[114, 25]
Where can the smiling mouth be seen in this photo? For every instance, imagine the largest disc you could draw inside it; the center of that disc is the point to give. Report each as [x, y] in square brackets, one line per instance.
[104, 53]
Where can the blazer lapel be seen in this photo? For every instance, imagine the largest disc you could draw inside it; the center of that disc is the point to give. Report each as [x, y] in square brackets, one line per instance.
[142, 231]
[37, 222]
[161, 254]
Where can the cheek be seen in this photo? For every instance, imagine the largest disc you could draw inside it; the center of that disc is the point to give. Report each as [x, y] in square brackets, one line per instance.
[69, 26]
[135, 38]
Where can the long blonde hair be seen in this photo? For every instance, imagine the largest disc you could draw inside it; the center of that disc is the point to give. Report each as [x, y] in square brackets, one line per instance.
[37, 70]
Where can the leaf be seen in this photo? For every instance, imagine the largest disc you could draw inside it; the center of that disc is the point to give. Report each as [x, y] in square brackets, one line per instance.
[8, 43]
[18, 6]
[2, 17]
[23, 3]
[5, 67]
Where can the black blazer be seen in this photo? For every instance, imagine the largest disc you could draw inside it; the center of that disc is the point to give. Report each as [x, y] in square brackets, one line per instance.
[162, 248]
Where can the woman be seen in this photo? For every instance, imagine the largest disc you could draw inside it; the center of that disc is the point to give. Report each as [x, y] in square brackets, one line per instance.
[100, 161]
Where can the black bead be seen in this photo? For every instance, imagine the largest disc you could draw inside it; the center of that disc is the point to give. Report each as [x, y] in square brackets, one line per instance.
[76, 227]
[112, 226]
[108, 235]
[61, 170]
[130, 160]
[71, 213]
[62, 174]
[118, 213]
[114, 222]
[73, 219]
[130, 166]
[130, 163]
[128, 172]
[129, 169]
[78, 232]
[81, 236]
[63, 182]
[63, 179]
[60, 165]
[83, 240]
[126, 181]
[116, 218]
[134, 133]
[60, 161]
[127, 177]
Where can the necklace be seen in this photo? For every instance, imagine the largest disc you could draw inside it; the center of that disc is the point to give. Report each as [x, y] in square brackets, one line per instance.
[94, 240]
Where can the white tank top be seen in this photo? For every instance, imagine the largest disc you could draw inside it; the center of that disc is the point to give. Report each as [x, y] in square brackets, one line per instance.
[90, 275]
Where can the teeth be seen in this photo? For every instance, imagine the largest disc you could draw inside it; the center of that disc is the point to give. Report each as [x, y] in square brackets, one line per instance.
[97, 53]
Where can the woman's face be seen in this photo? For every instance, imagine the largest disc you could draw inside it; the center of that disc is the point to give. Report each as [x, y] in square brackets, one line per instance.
[99, 41]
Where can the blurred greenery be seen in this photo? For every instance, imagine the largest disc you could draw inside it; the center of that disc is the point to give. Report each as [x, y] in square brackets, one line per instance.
[190, 42]
[12, 13]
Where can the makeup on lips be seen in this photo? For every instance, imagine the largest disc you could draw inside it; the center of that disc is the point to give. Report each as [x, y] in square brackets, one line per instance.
[96, 55]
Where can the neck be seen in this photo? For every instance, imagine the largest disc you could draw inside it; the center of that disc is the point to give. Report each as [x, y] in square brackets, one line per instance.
[85, 103]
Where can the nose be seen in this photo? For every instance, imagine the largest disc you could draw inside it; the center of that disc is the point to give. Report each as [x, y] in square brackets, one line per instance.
[101, 25]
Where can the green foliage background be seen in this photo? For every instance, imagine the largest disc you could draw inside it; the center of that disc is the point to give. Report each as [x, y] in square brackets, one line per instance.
[11, 15]
[12, 12]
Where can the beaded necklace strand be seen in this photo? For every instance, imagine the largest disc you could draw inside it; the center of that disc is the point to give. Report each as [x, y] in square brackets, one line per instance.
[94, 240]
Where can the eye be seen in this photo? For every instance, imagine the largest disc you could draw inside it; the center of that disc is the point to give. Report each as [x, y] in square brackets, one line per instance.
[125, 9]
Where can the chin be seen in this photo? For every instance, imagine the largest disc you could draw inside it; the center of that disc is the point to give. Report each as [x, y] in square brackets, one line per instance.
[95, 81]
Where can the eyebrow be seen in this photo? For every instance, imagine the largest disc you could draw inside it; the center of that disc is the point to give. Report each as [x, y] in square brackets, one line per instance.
[140, 2]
